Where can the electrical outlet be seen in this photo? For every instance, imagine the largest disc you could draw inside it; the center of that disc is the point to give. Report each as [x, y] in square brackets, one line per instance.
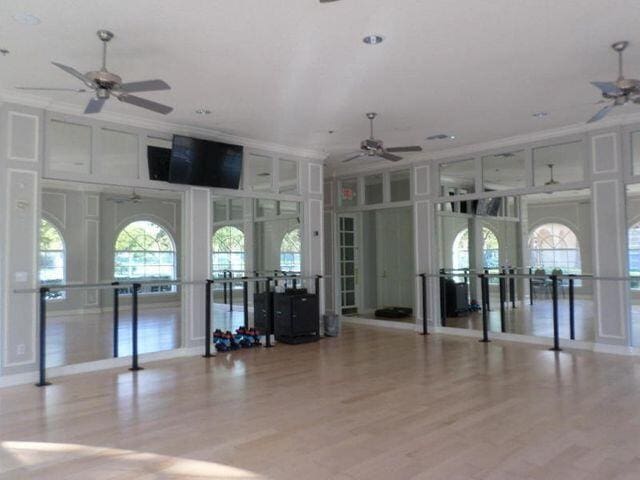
[21, 349]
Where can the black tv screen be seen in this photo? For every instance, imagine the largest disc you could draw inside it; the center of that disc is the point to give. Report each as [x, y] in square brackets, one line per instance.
[205, 163]
[159, 161]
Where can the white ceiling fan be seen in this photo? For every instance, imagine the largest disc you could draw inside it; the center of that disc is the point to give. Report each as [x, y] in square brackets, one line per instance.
[105, 84]
[372, 147]
[621, 91]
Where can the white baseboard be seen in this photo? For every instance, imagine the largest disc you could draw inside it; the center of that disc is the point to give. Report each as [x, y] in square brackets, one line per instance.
[106, 364]
[379, 323]
[506, 337]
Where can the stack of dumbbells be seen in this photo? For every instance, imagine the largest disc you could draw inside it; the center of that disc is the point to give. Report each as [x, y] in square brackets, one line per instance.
[243, 338]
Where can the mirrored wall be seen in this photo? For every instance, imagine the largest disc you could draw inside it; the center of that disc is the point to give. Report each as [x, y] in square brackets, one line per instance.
[527, 236]
[95, 234]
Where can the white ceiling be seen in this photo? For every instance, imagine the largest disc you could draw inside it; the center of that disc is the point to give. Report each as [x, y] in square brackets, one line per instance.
[287, 71]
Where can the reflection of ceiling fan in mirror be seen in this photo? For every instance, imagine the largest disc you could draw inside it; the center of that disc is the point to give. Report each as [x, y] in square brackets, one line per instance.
[551, 181]
[133, 198]
[372, 147]
[106, 84]
[622, 91]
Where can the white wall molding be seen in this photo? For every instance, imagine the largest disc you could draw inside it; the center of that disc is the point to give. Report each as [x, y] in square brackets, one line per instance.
[159, 126]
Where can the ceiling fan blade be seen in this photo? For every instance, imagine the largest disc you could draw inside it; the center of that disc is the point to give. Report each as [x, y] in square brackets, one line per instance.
[353, 157]
[77, 90]
[77, 74]
[608, 88]
[415, 148]
[144, 103]
[388, 156]
[145, 86]
[95, 105]
[601, 113]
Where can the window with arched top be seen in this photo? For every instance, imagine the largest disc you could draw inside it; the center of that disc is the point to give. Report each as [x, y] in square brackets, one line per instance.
[490, 249]
[290, 252]
[145, 251]
[554, 246]
[227, 251]
[634, 254]
[52, 268]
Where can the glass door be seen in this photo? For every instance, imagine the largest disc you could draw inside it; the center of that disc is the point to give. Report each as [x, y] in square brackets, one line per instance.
[348, 263]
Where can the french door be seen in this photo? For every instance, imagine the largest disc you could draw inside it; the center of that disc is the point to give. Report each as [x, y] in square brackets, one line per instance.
[348, 262]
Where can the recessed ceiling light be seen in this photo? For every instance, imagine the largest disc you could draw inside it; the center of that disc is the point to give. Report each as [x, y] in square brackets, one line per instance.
[373, 39]
[540, 114]
[26, 18]
[203, 111]
[441, 136]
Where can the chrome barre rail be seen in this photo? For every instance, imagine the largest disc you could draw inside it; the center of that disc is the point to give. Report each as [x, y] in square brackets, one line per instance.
[115, 284]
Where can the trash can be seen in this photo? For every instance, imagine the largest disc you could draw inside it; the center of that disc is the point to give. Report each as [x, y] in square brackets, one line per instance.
[331, 325]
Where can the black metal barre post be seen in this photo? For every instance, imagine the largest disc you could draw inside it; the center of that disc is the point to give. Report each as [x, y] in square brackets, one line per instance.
[486, 272]
[116, 318]
[423, 279]
[556, 334]
[512, 288]
[484, 290]
[207, 320]
[270, 312]
[134, 329]
[231, 292]
[572, 323]
[257, 284]
[245, 301]
[443, 298]
[317, 286]
[224, 286]
[503, 294]
[42, 381]
[530, 286]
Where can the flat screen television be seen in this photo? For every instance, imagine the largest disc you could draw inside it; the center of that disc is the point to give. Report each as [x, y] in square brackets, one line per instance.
[159, 161]
[205, 163]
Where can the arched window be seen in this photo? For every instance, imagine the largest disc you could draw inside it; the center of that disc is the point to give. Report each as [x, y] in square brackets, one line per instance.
[227, 247]
[634, 254]
[290, 252]
[52, 258]
[145, 251]
[555, 246]
[490, 249]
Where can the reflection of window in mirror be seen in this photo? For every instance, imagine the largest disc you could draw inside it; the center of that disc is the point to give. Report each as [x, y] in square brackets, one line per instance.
[261, 169]
[288, 176]
[400, 186]
[458, 178]
[558, 164]
[373, 189]
[220, 210]
[504, 171]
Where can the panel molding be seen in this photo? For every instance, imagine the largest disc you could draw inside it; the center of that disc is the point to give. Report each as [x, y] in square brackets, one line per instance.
[36, 136]
[315, 184]
[616, 155]
[34, 271]
[598, 185]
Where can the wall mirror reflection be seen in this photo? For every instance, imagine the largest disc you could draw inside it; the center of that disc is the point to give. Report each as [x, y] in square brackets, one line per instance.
[99, 234]
[539, 234]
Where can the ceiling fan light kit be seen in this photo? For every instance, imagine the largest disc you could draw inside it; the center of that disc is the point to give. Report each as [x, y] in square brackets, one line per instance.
[106, 84]
[622, 91]
[372, 147]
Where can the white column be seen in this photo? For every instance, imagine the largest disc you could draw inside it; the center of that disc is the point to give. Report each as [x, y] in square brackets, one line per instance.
[196, 262]
[611, 299]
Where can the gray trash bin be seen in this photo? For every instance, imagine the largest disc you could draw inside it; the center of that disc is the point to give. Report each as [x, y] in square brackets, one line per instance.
[331, 325]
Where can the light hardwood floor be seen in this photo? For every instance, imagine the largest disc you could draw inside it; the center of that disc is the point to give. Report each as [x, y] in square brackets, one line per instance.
[371, 404]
